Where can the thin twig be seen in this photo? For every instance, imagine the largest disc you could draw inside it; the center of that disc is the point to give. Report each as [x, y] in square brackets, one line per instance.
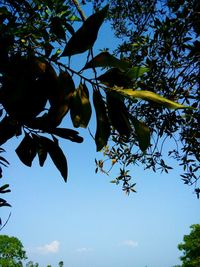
[6, 222]
[80, 11]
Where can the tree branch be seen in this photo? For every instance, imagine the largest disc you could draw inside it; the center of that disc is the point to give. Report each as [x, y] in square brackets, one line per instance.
[80, 11]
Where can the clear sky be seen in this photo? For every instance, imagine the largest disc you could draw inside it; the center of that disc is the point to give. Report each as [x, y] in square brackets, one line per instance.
[89, 222]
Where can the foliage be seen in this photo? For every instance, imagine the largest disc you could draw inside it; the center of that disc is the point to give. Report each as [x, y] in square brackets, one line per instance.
[11, 252]
[3, 188]
[164, 37]
[32, 264]
[37, 41]
[191, 247]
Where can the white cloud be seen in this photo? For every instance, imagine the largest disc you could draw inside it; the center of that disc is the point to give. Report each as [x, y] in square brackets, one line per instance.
[84, 250]
[129, 243]
[52, 247]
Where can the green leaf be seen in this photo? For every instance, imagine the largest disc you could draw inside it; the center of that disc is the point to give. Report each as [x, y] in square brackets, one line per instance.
[103, 126]
[56, 155]
[149, 96]
[67, 134]
[26, 150]
[118, 114]
[73, 18]
[135, 72]
[142, 132]
[105, 59]
[80, 107]
[86, 36]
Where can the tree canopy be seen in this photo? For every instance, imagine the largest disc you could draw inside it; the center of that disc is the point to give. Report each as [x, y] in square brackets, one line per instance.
[12, 252]
[191, 247]
[132, 97]
[164, 37]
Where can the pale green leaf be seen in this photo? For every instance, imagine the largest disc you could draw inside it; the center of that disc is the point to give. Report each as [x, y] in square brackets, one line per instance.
[149, 96]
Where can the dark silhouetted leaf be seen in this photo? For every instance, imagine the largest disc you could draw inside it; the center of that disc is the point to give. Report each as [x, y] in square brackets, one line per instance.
[75, 109]
[118, 114]
[56, 155]
[3, 161]
[57, 28]
[4, 189]
[105, 59]
[115, 77]
[86, 36]
[60, 99]
[142, 132]
[4, 203]
[41, 149]
[8, 128]
[25, 88]
[85, 105]
[70, 28]
[26, 151]
[103, 126]
[68, 134]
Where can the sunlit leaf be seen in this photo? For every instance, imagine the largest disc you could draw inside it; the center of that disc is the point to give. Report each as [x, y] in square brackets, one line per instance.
[149, 96]
[142, 132]
[103, 126]
[26, 150]
[86, 36]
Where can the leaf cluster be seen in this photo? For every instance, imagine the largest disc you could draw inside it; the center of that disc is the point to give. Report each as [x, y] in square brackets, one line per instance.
[37, 41]
[191, 247]
[164, 37]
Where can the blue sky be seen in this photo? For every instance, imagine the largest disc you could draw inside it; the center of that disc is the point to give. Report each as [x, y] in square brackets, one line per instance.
[89, 222]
